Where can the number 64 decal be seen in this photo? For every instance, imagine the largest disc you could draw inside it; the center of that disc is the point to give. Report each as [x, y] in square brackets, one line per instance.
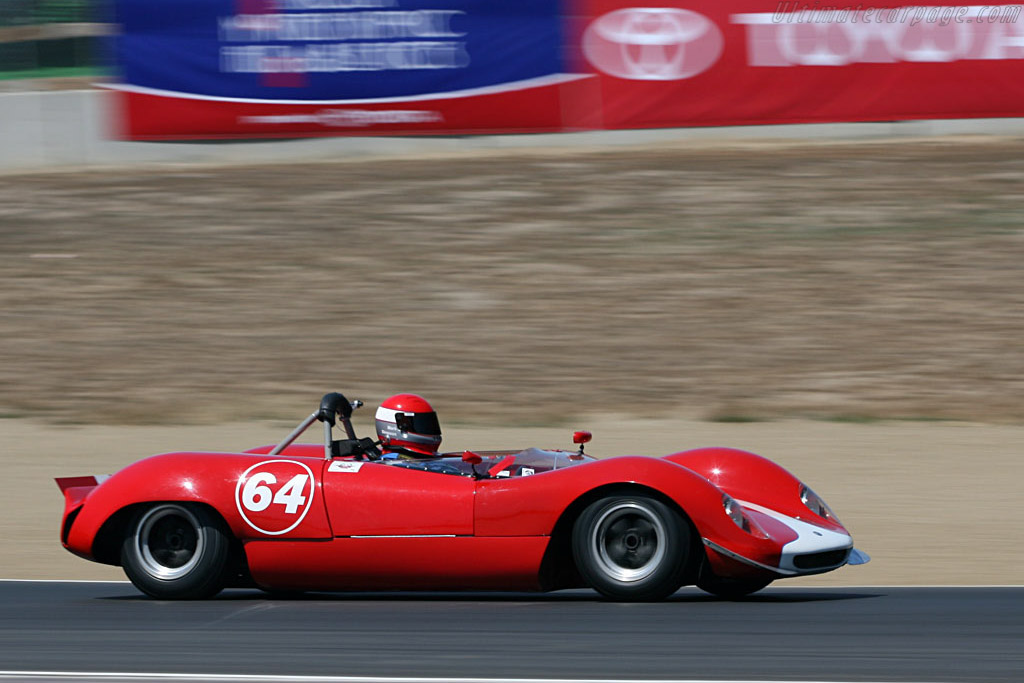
[274, 496]
[256, 495]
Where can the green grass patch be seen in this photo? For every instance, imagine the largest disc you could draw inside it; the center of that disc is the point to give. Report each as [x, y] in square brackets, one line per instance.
[736, 419]
[55, 72]
[875, 419]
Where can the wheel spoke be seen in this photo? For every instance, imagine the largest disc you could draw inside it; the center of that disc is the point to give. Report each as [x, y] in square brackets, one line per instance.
[643, 526]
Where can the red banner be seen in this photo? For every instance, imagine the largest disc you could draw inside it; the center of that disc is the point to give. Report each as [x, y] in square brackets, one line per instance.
[758, 62]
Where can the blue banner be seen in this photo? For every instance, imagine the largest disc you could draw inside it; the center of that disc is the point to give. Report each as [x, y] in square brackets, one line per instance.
[336, 50]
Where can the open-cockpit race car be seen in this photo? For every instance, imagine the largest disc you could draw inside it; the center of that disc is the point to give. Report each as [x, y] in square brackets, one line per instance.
[338, 516]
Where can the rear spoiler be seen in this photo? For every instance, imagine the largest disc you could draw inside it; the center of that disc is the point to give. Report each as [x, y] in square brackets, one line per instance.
[66, 483]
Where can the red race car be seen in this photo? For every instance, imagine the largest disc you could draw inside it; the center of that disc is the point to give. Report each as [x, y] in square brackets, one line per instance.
[339, 516]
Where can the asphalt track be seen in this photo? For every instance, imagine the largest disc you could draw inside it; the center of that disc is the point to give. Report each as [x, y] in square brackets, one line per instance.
[782, 634]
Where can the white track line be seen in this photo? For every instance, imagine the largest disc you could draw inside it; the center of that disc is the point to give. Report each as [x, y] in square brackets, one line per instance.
[242, 678]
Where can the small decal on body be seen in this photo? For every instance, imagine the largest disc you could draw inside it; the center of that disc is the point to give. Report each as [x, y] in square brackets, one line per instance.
[345, 466]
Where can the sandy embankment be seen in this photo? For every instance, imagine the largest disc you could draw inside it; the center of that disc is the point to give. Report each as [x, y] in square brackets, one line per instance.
[933, 503]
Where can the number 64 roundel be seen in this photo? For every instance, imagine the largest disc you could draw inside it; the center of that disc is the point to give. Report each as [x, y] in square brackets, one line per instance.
[274, 496]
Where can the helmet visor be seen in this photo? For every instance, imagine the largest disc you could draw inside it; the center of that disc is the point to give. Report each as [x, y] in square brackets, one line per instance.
[418, 423]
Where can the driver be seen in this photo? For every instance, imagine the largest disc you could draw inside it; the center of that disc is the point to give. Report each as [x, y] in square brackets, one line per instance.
[408, 428]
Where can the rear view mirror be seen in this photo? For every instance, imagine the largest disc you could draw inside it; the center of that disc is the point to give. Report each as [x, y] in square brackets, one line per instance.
[582, 437]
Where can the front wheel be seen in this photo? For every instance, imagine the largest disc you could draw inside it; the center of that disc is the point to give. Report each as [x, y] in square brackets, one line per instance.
[631, 547]
[176, 551]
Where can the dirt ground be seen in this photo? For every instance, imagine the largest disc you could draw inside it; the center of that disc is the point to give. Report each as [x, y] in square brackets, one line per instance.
[816, 288]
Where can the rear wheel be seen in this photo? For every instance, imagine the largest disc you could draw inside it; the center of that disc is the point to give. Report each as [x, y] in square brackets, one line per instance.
[731, 589]
[176, 551]
[631, 547]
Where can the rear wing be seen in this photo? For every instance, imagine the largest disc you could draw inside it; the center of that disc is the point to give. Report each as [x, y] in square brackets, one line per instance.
[66, 483]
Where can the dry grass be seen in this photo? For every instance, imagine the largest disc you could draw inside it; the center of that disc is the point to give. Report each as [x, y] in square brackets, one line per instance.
[837, 281]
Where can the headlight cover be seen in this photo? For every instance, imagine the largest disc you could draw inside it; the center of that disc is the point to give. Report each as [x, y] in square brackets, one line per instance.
[740, 518]
[816, 505]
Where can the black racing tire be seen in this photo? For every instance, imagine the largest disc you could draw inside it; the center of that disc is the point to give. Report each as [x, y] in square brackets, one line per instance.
[177, 551]
[632, 547]
[730, 589]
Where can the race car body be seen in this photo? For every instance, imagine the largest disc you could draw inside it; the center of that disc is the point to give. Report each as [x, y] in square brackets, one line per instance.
[338, 516]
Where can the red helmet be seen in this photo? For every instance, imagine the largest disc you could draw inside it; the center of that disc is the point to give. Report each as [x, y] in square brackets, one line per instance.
[407, 421]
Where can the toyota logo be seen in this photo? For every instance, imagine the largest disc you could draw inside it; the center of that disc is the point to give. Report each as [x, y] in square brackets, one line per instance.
[652, 43]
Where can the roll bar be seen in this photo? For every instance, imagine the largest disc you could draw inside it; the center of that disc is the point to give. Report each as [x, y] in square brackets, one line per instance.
[333, 406]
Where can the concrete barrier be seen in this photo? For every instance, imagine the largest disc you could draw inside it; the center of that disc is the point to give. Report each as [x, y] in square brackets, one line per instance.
[70, 129]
